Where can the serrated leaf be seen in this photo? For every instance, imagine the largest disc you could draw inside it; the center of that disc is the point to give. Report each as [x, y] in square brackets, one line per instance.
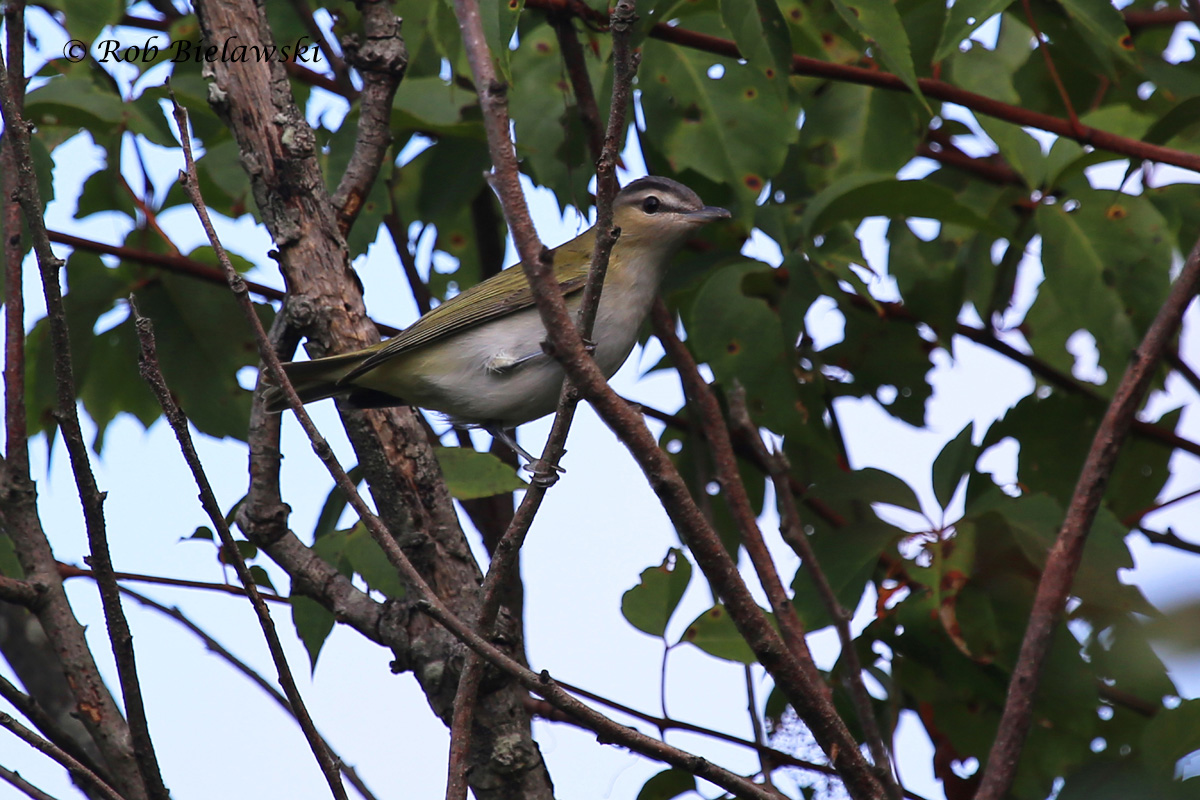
[762, 36]
[731, 127]
[668, 784]
[313, 624]
[1102, 25]
[879, 23]
[471, 474]
[714, 633]
[860, 196]
[952, 464]
[962, 19]
[649, 605]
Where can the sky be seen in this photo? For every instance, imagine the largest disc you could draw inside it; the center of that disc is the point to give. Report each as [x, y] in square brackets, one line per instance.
[584, 551]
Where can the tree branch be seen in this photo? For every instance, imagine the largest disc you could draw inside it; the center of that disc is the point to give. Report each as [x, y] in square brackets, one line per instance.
[1064, 557]
[77, 770]
[220, 651]
[22, 785]
[382, 61]
[148, 363]
[808, 700]
[506, 550]
[17, 134]
[930, 87]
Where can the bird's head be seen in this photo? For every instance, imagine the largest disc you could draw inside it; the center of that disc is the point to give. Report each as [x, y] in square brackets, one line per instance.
[660, 211]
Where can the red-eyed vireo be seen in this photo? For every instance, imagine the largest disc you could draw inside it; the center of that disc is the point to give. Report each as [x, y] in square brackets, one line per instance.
[478, 358]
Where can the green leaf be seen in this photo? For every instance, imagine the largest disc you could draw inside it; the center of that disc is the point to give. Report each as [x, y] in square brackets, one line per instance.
[367, 558]
[649, 605]
[471, 474]
[864, 195]
[499, 24]
[952, 465]
[10, 565]
[73, 101]
[1102, 25]
[335, 503]
[1019, 149]
[962, 19]
[1103, 261]
[668, 784]
[714, 633]
[879, 23]
[762, 37]
[732, 129]
[741, 337]
[260, 577]
[1171, 735]
[313, 624]
[85, 19]
[848, 557]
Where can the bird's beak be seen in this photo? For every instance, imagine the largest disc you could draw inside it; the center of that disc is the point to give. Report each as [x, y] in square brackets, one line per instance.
[708, 214]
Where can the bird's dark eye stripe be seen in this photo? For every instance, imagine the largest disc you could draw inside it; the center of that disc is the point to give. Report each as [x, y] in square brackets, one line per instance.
[650, 204]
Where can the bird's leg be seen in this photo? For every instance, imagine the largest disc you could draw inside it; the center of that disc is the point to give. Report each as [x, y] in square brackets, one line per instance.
[544, 474]
[588, 345]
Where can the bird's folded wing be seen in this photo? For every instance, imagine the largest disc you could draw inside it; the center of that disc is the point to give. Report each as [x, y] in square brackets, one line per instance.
[507, 292]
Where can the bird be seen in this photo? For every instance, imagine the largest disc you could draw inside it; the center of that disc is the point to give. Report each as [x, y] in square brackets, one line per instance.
[478, 358]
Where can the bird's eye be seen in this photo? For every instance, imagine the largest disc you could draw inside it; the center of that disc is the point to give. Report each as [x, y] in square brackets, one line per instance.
[650, 204]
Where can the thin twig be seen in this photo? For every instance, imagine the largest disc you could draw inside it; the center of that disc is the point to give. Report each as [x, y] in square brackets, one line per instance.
[1064, 557]
[792, 531]
[765, 762]
[21, 785]
[241, 666]
[152, 374]
[1131, 520]
[91, 498]
[708, 410]
[16, 449]
[72, 571]
[610, 732]
[1170, 539]
[1044, 48]
[504, 554]
[79, 771]
[49, 727]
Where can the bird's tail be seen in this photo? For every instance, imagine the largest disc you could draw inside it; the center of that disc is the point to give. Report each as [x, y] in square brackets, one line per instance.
[313, 380]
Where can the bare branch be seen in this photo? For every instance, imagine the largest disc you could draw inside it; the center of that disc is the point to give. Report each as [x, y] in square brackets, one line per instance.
[22, 785]
[148, 362]
[49, 727]
[504, 554]
[792, 532]
[381, 60]
[241, 666]
[29, 197]
[717, 434]
[610, 732]
[1064, 557]
[77, 770]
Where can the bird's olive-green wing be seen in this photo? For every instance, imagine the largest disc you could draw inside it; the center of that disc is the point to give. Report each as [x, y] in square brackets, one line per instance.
[496, 297]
